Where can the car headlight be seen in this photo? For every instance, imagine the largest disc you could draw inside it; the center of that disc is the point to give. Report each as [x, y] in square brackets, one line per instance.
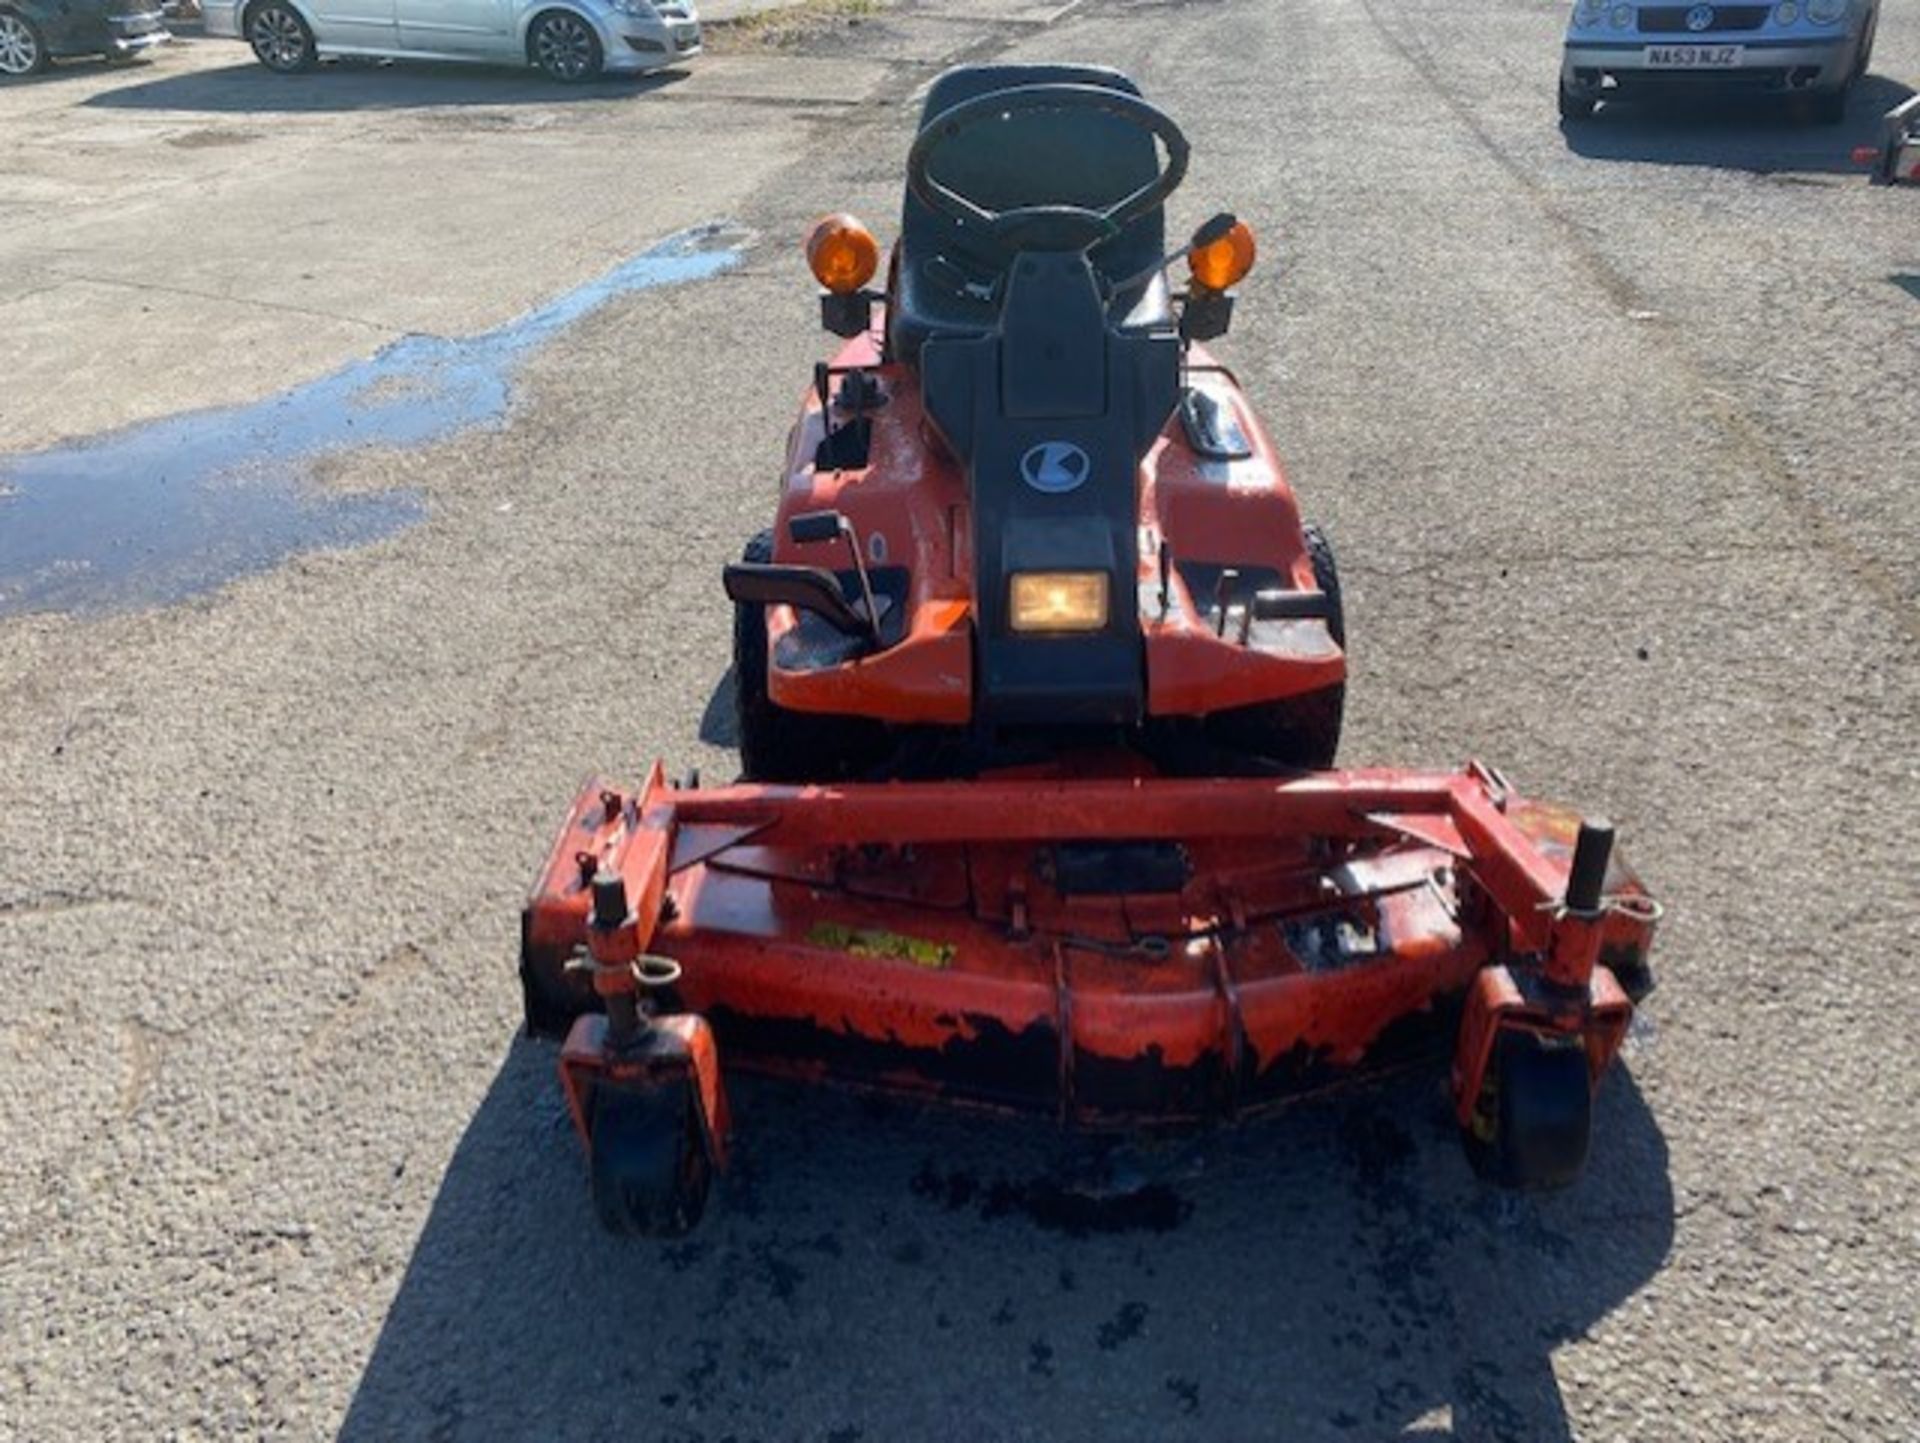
[1045, 601]
[1826, 12]
[1589, 13]
[637, 9]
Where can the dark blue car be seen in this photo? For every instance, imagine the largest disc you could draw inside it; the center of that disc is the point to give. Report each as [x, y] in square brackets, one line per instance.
[34, 31]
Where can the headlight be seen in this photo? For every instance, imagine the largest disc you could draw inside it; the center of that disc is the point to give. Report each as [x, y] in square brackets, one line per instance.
[638, 9]
[1621, 17]
[1589, 13]
[1786, 12]
[1826, 12]
[1050, 601]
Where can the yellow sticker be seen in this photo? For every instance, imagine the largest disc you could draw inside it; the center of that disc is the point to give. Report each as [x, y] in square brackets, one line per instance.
[877, 942]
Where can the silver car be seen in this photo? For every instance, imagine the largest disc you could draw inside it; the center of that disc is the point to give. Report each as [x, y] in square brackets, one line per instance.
[1620, 48]
[571, 40]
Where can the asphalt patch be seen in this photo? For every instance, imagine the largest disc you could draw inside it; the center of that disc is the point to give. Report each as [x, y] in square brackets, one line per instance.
[1055, 1206]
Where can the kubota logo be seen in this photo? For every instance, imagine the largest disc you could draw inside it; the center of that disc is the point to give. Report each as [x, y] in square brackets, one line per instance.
[1055, 466]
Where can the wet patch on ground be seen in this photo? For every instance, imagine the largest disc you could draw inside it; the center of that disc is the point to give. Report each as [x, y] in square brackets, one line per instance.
[169, 508]
[1123, 1327]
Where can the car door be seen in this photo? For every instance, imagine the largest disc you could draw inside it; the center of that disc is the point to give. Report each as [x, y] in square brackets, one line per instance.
[456, 27]
[354, 24]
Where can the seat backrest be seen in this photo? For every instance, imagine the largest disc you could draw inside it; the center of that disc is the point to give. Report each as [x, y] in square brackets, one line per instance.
[1038, 159]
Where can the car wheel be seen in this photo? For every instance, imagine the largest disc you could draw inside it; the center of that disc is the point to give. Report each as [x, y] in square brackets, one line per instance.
[1574, 106]
[280, 37]
[565, 47]
[22, 51]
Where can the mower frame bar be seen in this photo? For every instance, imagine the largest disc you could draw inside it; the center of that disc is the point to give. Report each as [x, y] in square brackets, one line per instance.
[1462, 812]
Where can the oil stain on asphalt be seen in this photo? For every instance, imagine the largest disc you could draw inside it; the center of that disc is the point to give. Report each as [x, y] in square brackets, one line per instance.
[1056, 1206]
[168, 508]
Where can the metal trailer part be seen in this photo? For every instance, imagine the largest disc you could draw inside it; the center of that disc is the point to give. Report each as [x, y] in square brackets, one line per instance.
[1897, 156]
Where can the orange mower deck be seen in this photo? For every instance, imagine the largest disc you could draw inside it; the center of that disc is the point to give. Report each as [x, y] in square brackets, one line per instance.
[1114, 950]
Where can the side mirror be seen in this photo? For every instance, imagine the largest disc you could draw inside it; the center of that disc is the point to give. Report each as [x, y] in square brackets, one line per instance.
[810, 588]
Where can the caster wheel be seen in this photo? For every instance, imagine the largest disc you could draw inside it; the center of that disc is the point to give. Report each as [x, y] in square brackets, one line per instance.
[1531, 1127]
[649, 1164]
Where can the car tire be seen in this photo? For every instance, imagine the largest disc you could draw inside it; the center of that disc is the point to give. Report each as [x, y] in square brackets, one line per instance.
[1574, 106]
[564, 47]
[1865, 57]
[23, 50]
[281, 38]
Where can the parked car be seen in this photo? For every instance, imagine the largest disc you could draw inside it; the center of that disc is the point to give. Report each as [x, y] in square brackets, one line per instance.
[1621, 48]
[571, 40]
[32, 32]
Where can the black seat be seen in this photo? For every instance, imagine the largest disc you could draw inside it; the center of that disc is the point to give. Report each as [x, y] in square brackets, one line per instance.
[1034, 159]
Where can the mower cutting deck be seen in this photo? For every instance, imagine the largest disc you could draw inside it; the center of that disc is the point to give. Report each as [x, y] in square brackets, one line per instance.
[1039, 676]
[1114, 951]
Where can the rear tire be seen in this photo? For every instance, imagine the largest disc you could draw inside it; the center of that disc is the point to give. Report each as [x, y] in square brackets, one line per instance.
[23, 50]
[649, 1165]
[564, 47]
[1534, 1119]
[281, 39]
[1297, 731]
[778, 745]
[1574, 106]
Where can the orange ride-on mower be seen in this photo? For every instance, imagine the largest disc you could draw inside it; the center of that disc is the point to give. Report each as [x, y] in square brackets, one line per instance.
[1039, 678]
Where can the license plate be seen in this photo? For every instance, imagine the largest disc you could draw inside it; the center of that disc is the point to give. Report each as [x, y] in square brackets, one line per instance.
[1693, 57]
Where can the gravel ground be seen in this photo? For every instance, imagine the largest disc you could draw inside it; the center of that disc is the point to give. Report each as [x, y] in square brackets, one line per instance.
[1609, 428]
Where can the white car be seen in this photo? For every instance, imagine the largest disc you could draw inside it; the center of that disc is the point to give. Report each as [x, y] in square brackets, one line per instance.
[571, 40]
